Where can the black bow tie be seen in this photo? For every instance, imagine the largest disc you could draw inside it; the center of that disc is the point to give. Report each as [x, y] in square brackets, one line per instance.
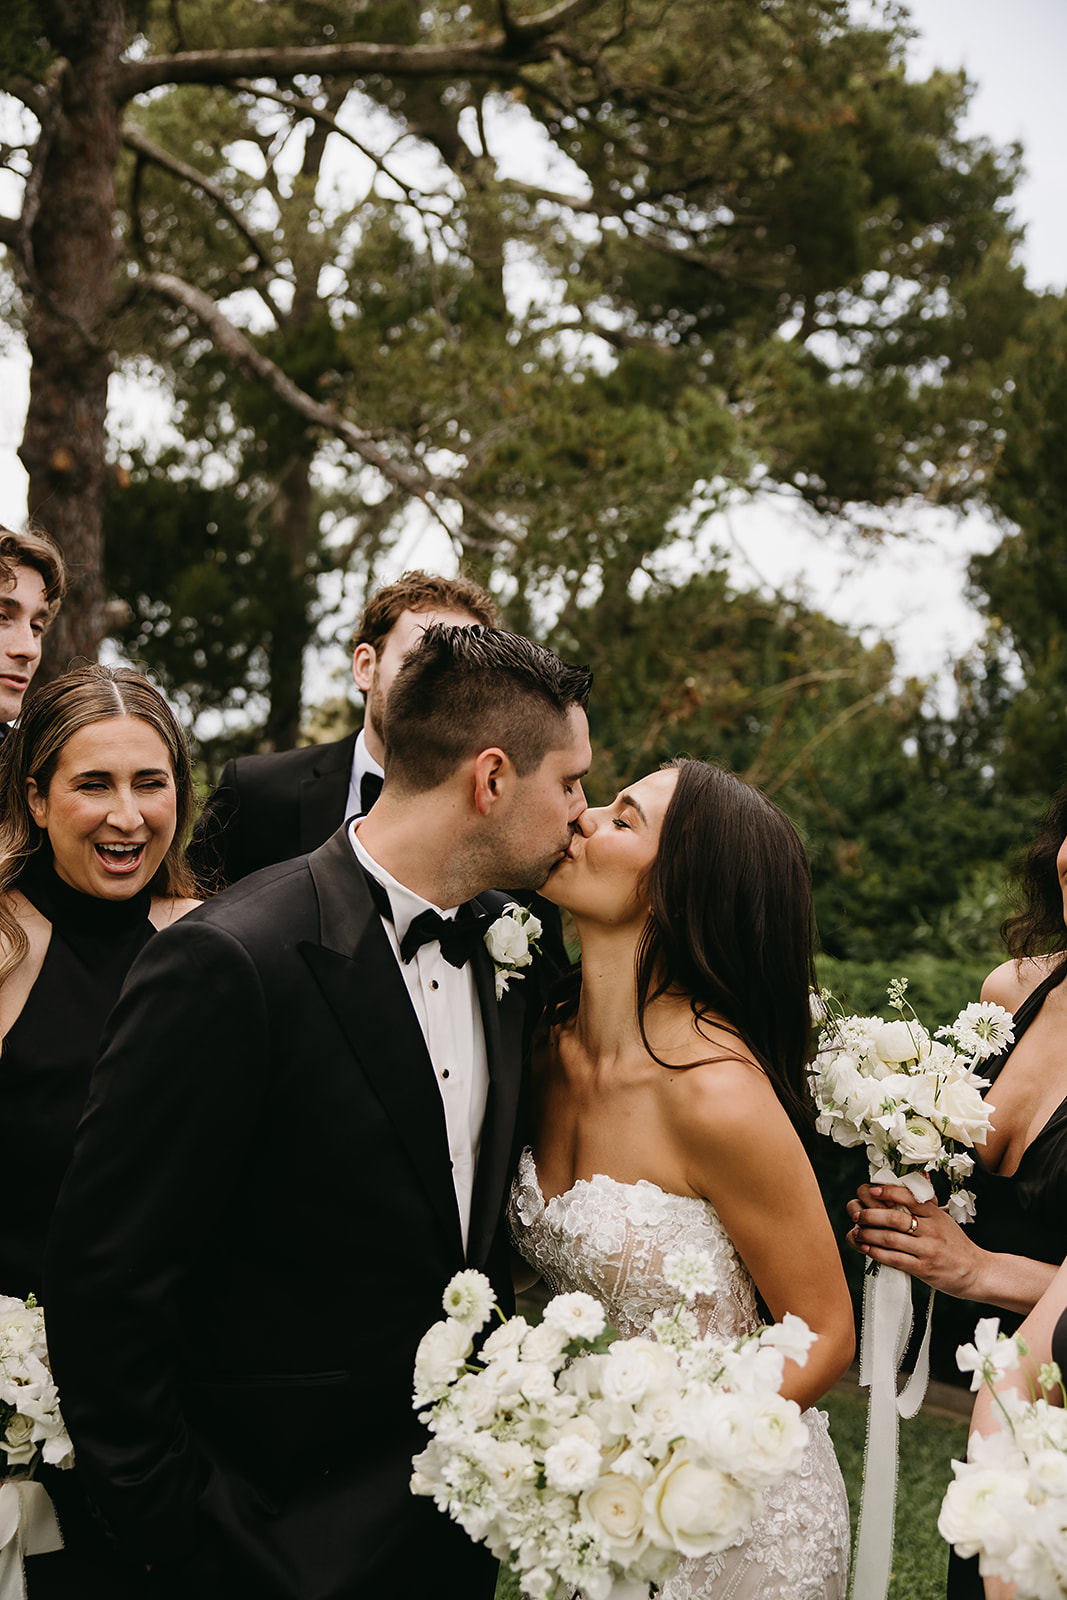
[458, 937]
[370, 787]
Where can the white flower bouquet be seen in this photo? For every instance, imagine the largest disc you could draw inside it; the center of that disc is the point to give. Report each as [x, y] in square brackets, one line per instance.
[30, 1420]
[913, 1099]
[1008, 1503]
[584, 1467]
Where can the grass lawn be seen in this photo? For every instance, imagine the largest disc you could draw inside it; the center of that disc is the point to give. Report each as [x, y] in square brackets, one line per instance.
[927, 1445]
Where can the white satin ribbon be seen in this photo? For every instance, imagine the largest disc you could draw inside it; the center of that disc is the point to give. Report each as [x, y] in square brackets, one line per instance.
[28, 1527]
[883, 1340]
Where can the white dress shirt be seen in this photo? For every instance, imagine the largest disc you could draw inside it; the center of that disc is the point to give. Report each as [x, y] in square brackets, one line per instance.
[362, 762]
[445, 1001]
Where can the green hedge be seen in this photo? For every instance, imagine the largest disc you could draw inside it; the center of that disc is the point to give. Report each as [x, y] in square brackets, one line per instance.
[938, 986]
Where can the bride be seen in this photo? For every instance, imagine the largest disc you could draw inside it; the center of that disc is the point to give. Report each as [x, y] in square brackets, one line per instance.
[669, 1112]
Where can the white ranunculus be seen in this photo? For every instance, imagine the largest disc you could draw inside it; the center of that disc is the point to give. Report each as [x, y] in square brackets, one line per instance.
[633, 1367]
[613, 1508]
[779, 1439]
[572, 1464]
[920, 1143]
[695, 1509]
[981, 1510]
[575, 1316]
[538, 1381]
[546, 1342]
[1048, 1470]
[441, 1356]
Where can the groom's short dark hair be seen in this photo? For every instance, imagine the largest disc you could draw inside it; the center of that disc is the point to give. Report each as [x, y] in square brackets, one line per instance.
[463, 690]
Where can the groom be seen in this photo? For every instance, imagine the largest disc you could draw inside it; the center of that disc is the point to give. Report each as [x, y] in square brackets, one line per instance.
[303, 1123]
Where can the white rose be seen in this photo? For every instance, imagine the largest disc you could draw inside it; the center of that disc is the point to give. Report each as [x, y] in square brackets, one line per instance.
[697, 1510]
[895, 1042]
[508, 943]
[614, 1510]
[966, 1114]
[18, 1441]
[572, 1464]
[441, 1356]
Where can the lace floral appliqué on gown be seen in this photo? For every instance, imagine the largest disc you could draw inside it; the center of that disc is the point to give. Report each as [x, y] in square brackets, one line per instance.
[610, 1239]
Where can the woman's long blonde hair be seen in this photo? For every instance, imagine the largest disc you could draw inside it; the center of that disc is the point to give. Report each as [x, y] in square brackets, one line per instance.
[49, 718]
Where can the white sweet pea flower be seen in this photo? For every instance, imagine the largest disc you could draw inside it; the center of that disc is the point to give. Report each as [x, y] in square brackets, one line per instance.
[469, 1299]
[960, 1206]
[990, 1356]
[792, 1337]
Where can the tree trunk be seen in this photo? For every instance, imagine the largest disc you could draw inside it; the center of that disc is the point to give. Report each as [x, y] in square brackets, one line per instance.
[69, 269]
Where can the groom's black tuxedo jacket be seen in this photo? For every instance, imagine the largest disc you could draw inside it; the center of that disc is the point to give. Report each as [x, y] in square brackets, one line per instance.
[255, 1232]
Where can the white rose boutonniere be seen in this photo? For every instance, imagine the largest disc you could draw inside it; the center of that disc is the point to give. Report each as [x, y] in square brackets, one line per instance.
[511, 942]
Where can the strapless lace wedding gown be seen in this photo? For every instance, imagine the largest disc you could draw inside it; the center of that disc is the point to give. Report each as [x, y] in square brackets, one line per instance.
[610, 1239]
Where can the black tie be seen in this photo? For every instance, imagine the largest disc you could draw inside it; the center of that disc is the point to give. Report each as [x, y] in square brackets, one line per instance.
[370, 787]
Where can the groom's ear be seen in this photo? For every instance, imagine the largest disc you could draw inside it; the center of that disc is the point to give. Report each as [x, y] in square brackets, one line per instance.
[493, 778]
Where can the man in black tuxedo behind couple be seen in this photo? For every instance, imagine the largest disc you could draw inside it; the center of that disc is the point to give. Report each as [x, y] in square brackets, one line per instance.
[300, 1128]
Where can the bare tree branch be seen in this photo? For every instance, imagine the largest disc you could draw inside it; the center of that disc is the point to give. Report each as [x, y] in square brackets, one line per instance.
[492, 55]
[234, 345]
[556, 16]
[134, 139]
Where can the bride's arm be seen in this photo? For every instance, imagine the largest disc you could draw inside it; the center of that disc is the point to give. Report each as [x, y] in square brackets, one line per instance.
[743, 1154]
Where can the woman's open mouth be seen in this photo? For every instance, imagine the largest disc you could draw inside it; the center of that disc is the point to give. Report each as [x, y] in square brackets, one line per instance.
[121, 858]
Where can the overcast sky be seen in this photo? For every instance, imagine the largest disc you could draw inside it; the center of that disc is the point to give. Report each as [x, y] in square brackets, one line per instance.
[911, 591]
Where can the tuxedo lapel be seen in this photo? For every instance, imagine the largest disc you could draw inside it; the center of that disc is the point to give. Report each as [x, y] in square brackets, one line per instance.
[502, 1021]
[324, 795]
[358, 975]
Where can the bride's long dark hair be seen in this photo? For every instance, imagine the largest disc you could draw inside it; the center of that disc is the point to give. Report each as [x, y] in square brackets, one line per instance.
[731, 924]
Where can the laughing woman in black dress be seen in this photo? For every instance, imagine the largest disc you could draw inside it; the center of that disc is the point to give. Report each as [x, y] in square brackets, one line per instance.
[96, 799]
[1008, 1258]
